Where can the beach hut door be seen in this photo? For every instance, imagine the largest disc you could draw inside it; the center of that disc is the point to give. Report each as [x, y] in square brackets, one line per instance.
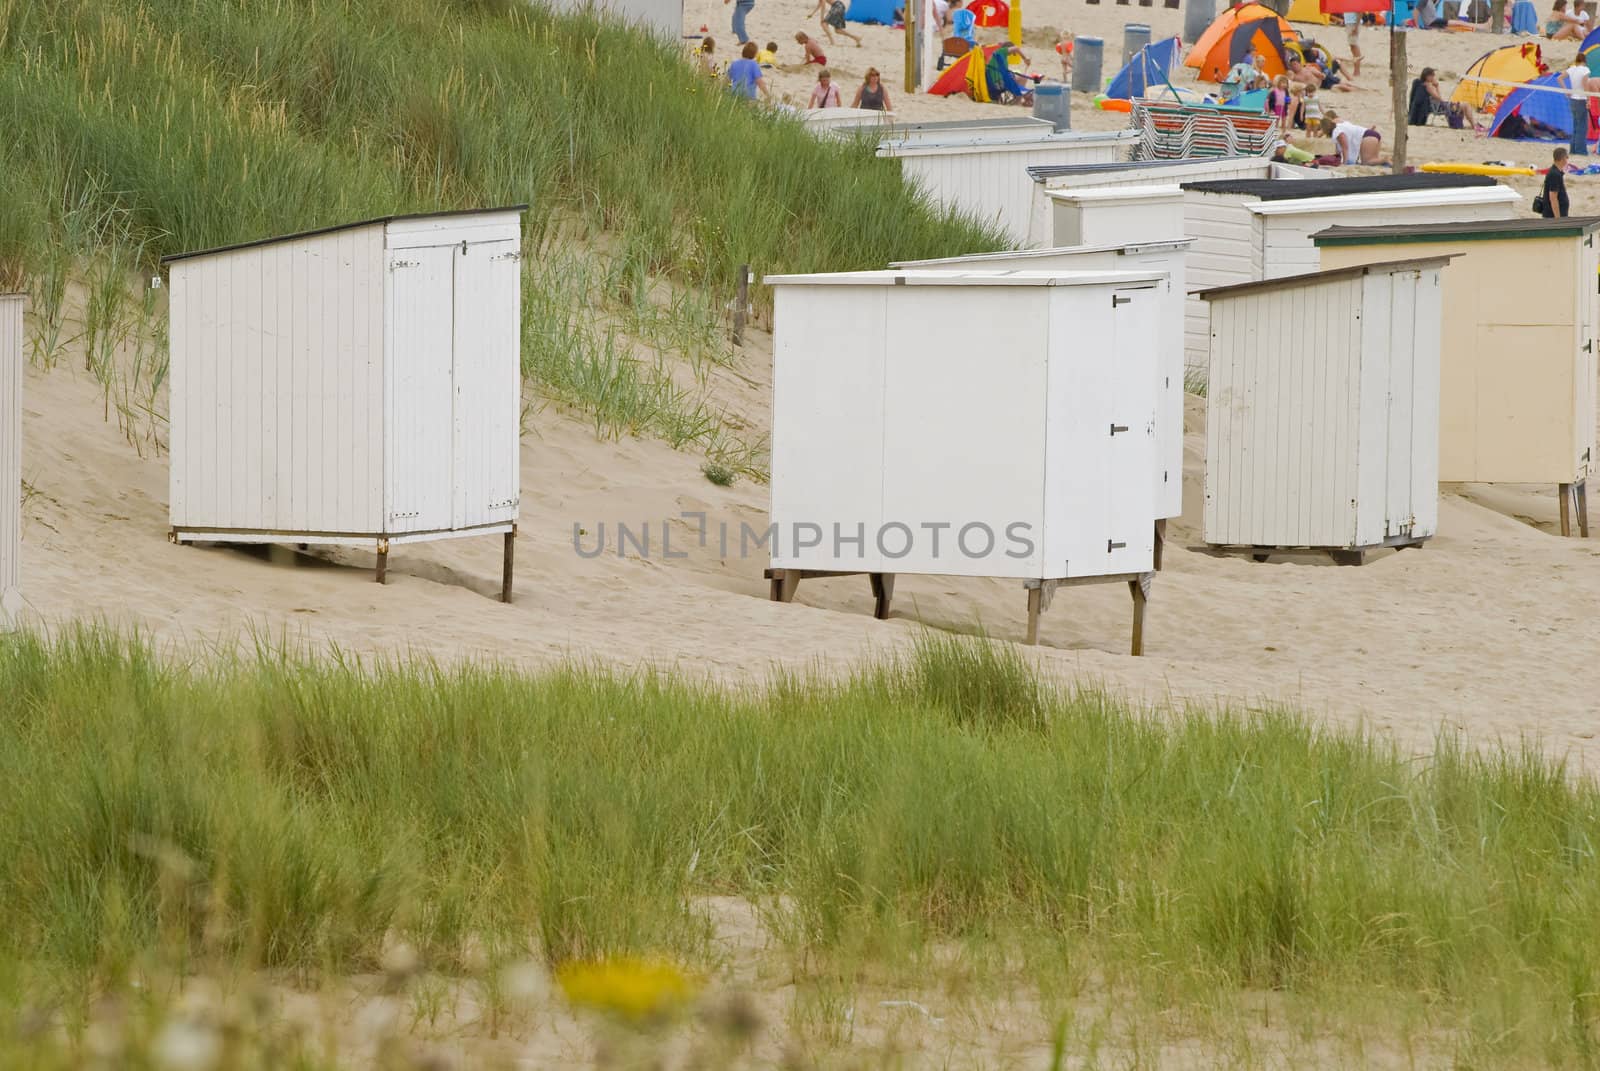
[487, 396]
[420, 316]
[1131, 450]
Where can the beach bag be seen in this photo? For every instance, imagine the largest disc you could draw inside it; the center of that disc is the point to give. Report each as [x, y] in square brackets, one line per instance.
[1540, 205]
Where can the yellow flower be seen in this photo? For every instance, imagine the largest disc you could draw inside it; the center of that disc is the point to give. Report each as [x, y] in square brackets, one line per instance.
[633, 989]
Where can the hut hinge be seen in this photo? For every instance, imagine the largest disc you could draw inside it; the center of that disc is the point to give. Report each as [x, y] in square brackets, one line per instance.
[507, 256]
[396, 265]
[1110, 546]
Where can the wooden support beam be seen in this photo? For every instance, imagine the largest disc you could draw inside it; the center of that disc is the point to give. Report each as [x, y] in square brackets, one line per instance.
[505, 571]
[1565, 492]
[882, 593]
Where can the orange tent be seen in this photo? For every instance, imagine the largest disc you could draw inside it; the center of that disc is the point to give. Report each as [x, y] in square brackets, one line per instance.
[1218, 50]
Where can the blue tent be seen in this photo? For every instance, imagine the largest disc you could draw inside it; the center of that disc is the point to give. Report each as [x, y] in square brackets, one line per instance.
[1532, 104]
[873, 11]
[1589, 42]
[1148, 67]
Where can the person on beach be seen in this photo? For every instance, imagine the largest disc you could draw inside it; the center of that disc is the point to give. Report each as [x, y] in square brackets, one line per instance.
[812, 50]
[1004, 86]
[963, 23]
[1553, 203]
[1285, 100]
[706, 56]
[871, 94]
[1561, 26]
[1064, 50]
[1352, 33]
[745, 75]
[768, 57]
[833, 19]
[825, 94]
[1353, 143]
[1427, 100]
[741, 11]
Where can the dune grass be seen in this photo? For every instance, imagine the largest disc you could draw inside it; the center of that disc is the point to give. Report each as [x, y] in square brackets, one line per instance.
[203, 122]
[311, 808]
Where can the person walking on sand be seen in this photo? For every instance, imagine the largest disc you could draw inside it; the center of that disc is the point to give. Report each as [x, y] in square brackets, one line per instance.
[872, 95]
[825, 94]
[1578, 85]
[746, 76]
[833, 19]
[1553, 203]
[1352, 32]
[741, 10]
[1064, 50]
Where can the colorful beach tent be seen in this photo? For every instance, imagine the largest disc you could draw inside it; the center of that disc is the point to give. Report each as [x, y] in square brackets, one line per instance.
[875, 12]
[1513, 63]
[1147, 69]
[1307, 11]
[1537, 110]
[1231, 37]
[1589, 42]
[966, 75]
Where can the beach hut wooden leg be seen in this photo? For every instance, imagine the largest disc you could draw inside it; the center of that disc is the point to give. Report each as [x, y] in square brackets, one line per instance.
[510, 556]
[1565, 492]
[1348, 557]
[785, 582]
[1137, 590]
[383, 561]
[1581, 492]
[1035, 597]
[883, 593]
[1161, 541]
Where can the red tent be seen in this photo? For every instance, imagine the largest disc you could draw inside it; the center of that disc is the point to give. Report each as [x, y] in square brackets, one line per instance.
[954, 79]
[992, 13]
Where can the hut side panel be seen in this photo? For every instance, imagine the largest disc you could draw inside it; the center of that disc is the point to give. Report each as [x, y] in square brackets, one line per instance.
[1284, 245]
[11, 361]
[277, 386]
[827, 421]
[992, 184]
[1221, 255]
[941, 446]
[1281, 433]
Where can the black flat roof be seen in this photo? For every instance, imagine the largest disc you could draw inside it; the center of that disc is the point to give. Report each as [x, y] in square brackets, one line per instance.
[1481, 230]
[1294, 189]
[339, 227]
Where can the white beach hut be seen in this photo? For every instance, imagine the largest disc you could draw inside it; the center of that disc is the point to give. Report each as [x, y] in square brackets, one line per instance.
[984, 424]
[1245, 231]
[985, 174]
[356, 385]
[11, 362]
[1110, 215]
[1165, 257]
[1517, 377]
[1048, 178]
[846, 123]
[1322, 411]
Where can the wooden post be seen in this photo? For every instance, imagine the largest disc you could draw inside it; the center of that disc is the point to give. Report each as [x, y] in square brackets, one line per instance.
[742, 304]
[911, 46]
[1497, 16]
[1137, 589]
[383, 561]
[1397, 79]
[882, 593]
[1564, 491]
[1035, 597]
[505, 573]
[1581, 493]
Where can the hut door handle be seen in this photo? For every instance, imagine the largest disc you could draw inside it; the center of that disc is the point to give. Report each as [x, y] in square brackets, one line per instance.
[1115, 300]
[1118, 427]
[1588, 347]
[1110, 546]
